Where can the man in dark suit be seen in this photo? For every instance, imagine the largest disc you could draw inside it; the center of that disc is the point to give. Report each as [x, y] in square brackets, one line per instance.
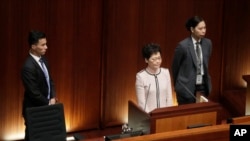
[38, 85]
[190, 68]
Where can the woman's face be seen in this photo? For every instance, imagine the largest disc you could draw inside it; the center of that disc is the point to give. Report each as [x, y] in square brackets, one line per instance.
[199, 31]
[154, 62]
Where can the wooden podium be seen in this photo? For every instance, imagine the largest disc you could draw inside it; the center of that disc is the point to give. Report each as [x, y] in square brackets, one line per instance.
[247, 79]
[174, 118]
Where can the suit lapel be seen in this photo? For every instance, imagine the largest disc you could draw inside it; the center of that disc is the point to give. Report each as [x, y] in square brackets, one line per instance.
[204, 52]
[192, 51]
[37, 66]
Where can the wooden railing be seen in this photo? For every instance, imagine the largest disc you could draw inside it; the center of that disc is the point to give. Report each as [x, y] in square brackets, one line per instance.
[209, 133]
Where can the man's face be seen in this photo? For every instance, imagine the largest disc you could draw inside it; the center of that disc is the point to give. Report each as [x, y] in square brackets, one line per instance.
[40, 48]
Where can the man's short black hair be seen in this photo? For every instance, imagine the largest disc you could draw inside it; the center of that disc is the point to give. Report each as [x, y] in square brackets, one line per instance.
[193, 22]
[34, 37]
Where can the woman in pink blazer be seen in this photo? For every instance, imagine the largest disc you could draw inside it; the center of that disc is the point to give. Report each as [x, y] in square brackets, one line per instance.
[153, 83]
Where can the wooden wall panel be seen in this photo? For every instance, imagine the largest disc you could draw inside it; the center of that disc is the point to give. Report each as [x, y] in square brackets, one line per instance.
[212, 12]
[76, 26]
[120, 49]
[87, 65]
[160, 21]
[14, 23]
[74, 30]
[236, 36]
[95, 51]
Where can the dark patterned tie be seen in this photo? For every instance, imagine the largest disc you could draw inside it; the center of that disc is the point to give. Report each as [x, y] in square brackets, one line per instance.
[157, 91]
[198, 56]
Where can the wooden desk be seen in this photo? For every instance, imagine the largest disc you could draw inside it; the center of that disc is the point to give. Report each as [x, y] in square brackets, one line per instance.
[208, 133]
[173, 118]
[247, 79]
[238, 120]
[180, 117]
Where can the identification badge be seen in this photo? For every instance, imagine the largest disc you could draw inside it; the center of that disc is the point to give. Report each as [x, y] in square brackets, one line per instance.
[198, 79]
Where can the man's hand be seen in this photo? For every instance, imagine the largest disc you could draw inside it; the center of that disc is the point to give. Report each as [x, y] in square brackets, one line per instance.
[52, 101]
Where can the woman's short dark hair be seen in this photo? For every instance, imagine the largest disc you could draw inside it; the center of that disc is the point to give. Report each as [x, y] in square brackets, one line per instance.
[150, 49]
[193, 22]
[34, 37]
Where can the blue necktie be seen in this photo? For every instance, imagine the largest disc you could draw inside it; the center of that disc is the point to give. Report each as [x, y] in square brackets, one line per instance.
[45, 71]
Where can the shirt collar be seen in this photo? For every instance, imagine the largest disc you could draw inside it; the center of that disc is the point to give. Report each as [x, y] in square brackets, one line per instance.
[194, 41]
[35, 57]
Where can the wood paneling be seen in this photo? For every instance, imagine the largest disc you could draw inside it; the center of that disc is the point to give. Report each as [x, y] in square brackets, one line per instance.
[74, 30]
[131, 24]
[120, 46]
[180, 117]
[209, 133]
[95, 51]
[236, 36]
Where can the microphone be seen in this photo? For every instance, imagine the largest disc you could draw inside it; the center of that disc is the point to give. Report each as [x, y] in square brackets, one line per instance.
[147, 97]
[189, 92]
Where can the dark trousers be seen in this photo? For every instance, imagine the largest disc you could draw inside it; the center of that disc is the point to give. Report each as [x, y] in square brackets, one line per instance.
[182, 101]
[199, 91]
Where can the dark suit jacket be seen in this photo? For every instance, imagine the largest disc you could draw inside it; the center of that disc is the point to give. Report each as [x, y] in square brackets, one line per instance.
[184, 67]
[35, 84]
